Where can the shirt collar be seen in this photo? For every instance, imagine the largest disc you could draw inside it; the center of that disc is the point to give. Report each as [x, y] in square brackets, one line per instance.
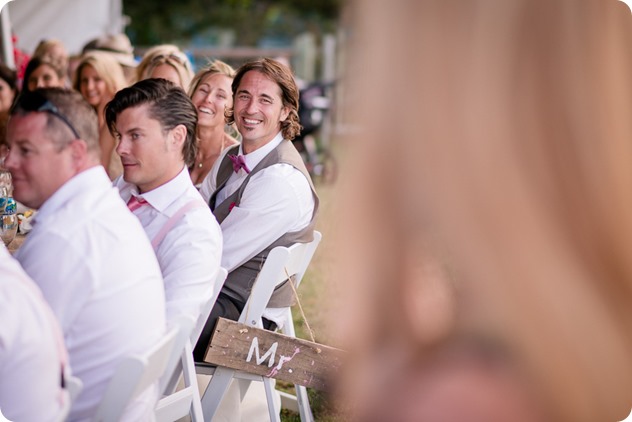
[164, 195]
[257, 155]
[84, 181]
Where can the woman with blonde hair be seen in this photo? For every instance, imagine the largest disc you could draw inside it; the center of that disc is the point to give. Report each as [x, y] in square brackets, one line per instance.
[168, 62]
[98, 78]
[211, 94]
[487, 242]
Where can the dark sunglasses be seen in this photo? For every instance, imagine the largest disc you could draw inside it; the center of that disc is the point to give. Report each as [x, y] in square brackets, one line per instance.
[35, 101]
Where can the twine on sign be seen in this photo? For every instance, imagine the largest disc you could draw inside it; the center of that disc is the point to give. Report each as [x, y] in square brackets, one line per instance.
[298, 302]
[300, 307]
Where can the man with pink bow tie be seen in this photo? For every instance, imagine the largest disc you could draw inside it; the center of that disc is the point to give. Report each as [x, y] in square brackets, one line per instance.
[260, 190]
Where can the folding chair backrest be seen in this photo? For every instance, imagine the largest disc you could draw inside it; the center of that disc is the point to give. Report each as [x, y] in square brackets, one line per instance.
[300, 261]
[72, 388]
[280, 263]
[184, 325]
[65, 409]
[133, 376]
[206, 310]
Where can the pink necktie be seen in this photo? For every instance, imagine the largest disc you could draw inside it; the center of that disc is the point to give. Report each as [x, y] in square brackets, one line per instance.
[135, 202]
[239, 161]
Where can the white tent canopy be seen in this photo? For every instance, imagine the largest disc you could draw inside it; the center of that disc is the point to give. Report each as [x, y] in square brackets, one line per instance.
[74, 22]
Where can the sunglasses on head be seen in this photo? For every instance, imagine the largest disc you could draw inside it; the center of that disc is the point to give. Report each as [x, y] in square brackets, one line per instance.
[180, 59]
[36, 102]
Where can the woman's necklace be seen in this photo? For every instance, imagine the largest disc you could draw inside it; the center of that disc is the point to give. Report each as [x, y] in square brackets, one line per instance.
[202, 159]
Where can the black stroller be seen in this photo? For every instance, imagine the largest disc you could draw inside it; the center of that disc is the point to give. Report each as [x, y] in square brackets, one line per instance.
[313, 107]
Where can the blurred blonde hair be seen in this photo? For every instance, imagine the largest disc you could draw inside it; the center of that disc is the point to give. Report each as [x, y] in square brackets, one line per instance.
[215, 67]
[512, 157]
[106, 66]
[166, 54]
[56, 51]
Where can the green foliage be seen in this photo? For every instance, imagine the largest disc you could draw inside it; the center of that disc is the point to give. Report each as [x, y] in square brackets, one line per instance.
[154, 22]
[323, 407]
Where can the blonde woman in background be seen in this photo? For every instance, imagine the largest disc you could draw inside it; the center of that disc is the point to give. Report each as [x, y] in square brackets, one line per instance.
[120, 47]
[211, 94]
[98, 78]
[168, 62]
[486, 236]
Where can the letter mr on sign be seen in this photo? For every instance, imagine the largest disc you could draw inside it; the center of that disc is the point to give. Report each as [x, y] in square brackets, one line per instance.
[272, 355]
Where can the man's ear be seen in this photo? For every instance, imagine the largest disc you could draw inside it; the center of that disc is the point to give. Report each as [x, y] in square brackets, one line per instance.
[285, 111]
[78, 151]
[178, 136]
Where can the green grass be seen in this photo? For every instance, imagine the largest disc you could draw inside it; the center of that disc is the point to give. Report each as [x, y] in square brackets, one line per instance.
[323, 408]
[314, 287]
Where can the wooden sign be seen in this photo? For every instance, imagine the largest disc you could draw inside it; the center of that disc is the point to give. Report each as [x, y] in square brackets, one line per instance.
[272, 355]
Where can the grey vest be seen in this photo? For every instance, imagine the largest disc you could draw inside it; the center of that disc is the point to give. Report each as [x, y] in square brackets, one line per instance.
[240, 281]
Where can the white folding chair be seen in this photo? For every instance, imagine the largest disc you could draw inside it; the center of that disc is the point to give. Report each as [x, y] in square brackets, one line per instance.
[299, 402]
[134, 375]
[174, 405]
[281, 262]
[72, 388]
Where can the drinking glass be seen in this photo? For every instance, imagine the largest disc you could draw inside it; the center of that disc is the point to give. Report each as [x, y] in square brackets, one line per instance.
[8, 216]
[9, 228]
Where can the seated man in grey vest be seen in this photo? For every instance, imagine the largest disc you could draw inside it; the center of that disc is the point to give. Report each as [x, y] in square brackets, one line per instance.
[260, 190]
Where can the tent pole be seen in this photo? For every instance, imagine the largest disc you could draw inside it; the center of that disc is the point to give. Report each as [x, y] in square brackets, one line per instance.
[7, 39]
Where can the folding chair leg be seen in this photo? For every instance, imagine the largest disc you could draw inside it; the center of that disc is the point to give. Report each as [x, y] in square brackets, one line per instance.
[216, 391]
[302, 399]
[190, 379]
[272, 408]
[304, 408]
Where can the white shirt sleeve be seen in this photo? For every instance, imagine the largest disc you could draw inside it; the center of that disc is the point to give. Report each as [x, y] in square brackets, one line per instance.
[189, 258]
[276, 201]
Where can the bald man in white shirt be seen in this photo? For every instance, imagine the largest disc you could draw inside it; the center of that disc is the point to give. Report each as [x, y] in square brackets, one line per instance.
[154, 122]
[87, 253]
[260, 190]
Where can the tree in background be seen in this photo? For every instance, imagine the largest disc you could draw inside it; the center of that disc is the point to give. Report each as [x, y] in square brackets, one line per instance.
[251, 20]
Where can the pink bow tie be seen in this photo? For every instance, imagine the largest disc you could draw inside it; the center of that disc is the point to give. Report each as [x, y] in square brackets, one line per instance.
[135, 202]
[239, 161]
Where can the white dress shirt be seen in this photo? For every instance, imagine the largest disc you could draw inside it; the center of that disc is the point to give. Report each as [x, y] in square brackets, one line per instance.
[31, 348]
[95, 267]
[190, 254]
[277, 200]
